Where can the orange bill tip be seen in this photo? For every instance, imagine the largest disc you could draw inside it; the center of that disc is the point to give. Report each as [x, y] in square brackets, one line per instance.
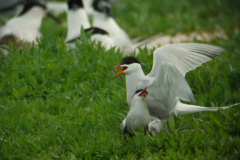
[120, 72]
[143, 93]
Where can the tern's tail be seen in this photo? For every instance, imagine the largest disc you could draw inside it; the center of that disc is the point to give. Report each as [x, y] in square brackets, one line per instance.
[182, 109]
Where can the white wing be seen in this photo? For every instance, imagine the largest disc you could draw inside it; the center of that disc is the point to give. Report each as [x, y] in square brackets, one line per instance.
[123, 127]
[185, 56]
[167, 86]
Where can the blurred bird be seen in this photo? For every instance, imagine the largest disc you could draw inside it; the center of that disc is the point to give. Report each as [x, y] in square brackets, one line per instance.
[103, 18]
[9, 8]
[165, 82]
[88, 5]
[24, 28]
[76, 17]
[139, 117]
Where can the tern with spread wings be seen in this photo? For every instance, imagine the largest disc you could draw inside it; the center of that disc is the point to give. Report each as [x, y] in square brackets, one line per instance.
[163, 101]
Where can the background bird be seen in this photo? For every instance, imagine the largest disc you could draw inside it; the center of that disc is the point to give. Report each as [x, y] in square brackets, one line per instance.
[24, 28]
[9, 8]
[103, 18]
[76, 17]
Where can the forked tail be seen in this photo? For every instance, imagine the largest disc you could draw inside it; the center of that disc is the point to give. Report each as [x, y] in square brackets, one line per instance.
[182, 109]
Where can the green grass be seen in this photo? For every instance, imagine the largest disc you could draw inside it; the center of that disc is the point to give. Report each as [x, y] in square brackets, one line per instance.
[58, 103]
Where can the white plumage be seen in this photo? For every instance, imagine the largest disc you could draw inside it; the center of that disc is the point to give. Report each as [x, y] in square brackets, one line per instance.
[165, 82]
[25, 27]
[102, 18]
[76, 18]
[139, 116]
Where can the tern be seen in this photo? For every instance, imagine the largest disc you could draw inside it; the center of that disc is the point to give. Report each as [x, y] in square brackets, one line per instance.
[139, 117]
[25, 27]
[103, 18]
[9, 8]
[76, 17]
[185, 57]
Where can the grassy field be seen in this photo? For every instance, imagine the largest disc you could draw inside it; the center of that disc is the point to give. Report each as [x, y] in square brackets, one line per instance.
[59, 104]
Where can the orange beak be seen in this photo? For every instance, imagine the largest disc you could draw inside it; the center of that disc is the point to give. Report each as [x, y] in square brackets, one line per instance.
[143, 93]
[120, 72]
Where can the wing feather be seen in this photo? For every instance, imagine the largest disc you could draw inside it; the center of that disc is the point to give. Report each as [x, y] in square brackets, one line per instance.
[168, 85]
[185, 56]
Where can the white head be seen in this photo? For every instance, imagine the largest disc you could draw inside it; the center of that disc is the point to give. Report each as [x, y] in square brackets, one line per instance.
[128, 65]
[140, 97]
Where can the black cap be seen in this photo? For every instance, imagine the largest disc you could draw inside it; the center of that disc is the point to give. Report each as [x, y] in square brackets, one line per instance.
[103, 7]
[75, 4]
[129, 60]
[140, 90]
[32, 3]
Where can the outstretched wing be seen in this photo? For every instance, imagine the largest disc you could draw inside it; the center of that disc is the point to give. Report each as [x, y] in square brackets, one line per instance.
[185, 56]
[167, 86]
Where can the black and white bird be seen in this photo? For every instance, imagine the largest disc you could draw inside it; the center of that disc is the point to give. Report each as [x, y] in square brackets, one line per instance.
[103, 18]
[10, 8]
[24, 28]
[76, 18]
[184, 57]
[139, 117]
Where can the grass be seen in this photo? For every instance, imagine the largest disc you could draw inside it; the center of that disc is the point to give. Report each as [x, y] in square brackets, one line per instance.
[56, 103]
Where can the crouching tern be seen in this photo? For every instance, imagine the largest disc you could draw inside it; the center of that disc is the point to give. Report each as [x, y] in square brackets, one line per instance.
[163, 99]
[139, 117]
[25, 27]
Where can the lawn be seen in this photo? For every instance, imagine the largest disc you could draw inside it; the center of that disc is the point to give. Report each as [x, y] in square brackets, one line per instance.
[61, 104]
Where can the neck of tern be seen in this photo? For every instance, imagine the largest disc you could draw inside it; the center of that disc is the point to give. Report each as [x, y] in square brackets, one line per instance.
[76, 19]
[107, 23]
[132, 81]
[138, 115]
